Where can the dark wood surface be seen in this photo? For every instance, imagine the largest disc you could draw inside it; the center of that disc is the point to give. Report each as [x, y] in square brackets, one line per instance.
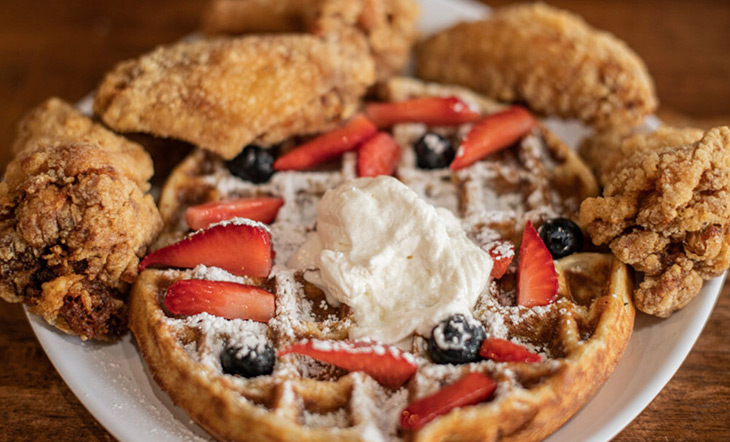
[63, 48]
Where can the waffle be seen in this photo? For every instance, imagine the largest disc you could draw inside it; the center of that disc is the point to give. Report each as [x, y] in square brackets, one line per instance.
[581, 336]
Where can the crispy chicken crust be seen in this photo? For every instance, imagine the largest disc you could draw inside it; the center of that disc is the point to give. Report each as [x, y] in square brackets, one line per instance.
[223, 94]
[389, 26]
[54, 121]
[549, 58]
[73, 223]
[665, 211]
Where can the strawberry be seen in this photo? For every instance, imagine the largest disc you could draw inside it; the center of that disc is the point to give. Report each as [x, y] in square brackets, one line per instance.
[327, 146]
[261, 208]
[492, 133]
[384, 363]
[432, 111]
[537, 281]
[502, 350]
[241, 249]
[220, 298]
[502, 253]
[469, 390]
[378, 156]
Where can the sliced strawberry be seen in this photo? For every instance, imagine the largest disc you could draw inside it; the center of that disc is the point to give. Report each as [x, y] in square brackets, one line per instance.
[537, 281]
[378, 156]
[432, 111]
[492, 133]
[469, 390]
[220, 298]
[502, 350]
[327, 146]
[384, 363]
[502, 253]
[241, 249]
[260, 208]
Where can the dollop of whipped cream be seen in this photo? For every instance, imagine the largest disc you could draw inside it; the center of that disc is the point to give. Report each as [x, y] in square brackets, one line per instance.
[401, 264]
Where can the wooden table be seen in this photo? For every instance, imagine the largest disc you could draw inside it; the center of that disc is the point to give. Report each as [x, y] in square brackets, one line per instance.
[58, 48]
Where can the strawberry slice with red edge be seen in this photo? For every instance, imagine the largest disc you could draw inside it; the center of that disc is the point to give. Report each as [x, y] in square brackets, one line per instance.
[502, 350]
[260, 208]
[502, 253]
[241, 249]
[537, 280]
[432, 111]
[327, 146]
[386, 364]
[469, 390]
[492, 133]
[228, 300]
[378, 156]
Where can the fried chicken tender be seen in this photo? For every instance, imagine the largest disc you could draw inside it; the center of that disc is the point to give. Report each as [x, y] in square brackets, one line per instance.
[665, 210]
[548, 58]
[73, 224]
[389, 26]
[224, 94]
[55, 121]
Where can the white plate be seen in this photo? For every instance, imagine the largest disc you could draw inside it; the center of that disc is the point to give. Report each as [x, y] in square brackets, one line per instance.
[113, 383]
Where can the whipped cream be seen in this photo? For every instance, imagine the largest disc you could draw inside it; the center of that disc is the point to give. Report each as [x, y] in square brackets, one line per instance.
[401, 264]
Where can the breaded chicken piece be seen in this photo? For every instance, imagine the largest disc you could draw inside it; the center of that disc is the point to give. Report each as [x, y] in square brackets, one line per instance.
[665, 211]
[56, 121]
[604, 150]
[548, 58]
[73, 225]
[224, 94]
[389, 26]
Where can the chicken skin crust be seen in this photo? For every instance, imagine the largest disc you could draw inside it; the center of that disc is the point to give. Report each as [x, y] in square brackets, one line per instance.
[55, 120]
[665, 210]
[549, 59]
[74, 222]
[389, 26]
[225, 93]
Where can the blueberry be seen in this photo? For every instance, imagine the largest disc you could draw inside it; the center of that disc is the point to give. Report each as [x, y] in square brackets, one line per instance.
[254, 164]
[434, 151]
[248, 363]
[456, 340]
[561, 236]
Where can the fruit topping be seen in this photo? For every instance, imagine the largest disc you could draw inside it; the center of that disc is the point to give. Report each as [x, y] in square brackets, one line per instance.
[537, 281]
[492, 133]
[254, 164]
[378, 156]
[386, 364]
[433, 151]
[561, 236]
[469, 390]
[432, 111]
[228, 300]
[260, 208]
[502, 253]
[241, 249]
[456, 340]
[327, 146]
[248, 362]
[502, 350]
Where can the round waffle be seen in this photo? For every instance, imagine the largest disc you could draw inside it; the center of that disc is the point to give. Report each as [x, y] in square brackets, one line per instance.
[581, 336]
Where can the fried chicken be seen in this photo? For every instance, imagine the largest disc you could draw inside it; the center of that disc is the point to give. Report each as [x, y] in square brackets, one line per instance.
[548, 58]
[223, 94]
[604, 150]
[55, 121]
[665, 210]
[388, 25]
[73, 223]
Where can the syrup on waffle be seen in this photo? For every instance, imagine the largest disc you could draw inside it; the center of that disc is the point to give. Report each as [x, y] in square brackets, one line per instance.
[580, 336]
